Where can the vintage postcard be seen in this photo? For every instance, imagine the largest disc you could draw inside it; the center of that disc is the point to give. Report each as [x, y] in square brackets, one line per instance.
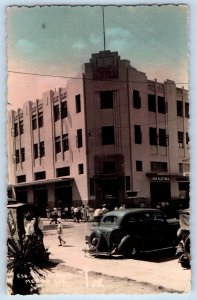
[98, 150]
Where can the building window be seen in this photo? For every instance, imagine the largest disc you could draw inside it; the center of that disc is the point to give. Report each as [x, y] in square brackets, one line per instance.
[138, 134]
[17, 156]
[162, 137]
[65, 142]
[42, 149]
[35, 151]
[179, 107]
[40, 175]
[106, 99]
[34, 122]
[40, 119]
[136, 99]
[151, 102]
[80, 169]
[21, 178]
[180, 139]
[78, 103]
[161, 105]
[15, 129]
[64, 110]
[187, 138]
[157, 166]
[56, 112]
[184, 167]
[153, 136]
[127, 183]
[108, 137]
[63, 171]
[92, 187]
[186, 110]
[138, 165]
[109, 167]
[22, 154]
[21, 128]
[79, 138]
[57, 145]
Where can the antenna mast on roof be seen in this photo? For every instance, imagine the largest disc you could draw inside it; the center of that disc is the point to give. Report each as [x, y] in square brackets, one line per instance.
[103, 28]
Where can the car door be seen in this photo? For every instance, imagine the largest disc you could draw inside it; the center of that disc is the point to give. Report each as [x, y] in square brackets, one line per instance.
[160, 230]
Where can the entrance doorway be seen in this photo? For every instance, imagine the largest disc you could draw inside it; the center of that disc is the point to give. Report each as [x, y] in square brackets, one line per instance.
[41, 200]
[160, 192]
[63, 196]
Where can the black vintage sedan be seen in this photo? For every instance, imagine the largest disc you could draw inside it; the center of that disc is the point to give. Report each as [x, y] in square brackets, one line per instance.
[132, 231]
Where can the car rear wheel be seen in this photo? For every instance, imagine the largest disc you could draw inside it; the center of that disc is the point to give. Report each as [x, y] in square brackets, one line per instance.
[128, 246]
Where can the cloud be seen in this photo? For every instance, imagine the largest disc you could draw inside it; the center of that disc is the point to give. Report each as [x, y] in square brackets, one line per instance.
[118, 38]
[25, 46]
[79, 45]
[94, 39]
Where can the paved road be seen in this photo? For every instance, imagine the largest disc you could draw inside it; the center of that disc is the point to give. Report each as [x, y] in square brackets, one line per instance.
[158, 270]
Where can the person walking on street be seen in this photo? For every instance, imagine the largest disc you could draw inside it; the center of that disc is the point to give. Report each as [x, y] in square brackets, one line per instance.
[60, 233]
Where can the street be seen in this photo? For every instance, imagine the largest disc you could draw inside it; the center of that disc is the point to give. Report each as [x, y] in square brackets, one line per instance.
[77, 272]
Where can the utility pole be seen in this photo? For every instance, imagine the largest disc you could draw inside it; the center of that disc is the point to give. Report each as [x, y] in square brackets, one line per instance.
[103, 28]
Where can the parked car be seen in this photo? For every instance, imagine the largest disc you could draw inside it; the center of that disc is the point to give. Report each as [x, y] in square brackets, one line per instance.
[132, 231]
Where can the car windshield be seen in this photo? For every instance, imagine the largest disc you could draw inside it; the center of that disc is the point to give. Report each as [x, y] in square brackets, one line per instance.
[109, 220]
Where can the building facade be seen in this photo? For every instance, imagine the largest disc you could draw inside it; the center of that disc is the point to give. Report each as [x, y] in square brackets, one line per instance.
[111, 135]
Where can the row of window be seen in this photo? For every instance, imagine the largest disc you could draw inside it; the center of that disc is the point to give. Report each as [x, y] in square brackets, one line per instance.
[65, 171]
[61, 111]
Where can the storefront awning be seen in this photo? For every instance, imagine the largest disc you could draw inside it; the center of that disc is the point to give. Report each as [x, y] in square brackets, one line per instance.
[44, 181]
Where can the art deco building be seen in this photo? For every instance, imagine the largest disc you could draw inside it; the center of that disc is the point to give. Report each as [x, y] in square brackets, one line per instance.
[111, 135]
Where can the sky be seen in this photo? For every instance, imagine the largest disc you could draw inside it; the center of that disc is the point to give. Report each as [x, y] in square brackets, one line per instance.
[57, 40]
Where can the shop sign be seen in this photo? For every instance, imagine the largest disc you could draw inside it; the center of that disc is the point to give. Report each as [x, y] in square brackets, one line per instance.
[160, 178]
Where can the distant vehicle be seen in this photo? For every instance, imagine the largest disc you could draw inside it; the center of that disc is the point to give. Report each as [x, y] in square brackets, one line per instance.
[132, 231]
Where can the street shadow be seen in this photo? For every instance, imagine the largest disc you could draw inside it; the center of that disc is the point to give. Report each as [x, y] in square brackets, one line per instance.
[54, 226]
[155, 257]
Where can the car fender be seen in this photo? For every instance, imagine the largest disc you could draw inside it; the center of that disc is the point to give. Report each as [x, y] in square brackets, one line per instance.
[123, 243]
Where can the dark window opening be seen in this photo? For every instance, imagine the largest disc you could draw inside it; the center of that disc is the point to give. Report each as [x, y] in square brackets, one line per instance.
[64, 110]
[35, 150]
[106, 99]
[21, 128]
[65, 142]
[79, 138]
[151, 102]
[108, 137]
[109, 167]
[21, 178]
[17, 156]
[56, 112]
[157, 166]
[15, 129]
[187, 110]
[40, 119]
[187, 138]
[161, 105]
[22, 154]
[63, 171]
[40, 175]
[180, 139]
[57, 145]
[136, 99]
[80, 169]
[162, 137]
[179, 106]
[138, 165]
[42, 149]
[78, 103]
[34, 122]
[138, 134]
[153, 136]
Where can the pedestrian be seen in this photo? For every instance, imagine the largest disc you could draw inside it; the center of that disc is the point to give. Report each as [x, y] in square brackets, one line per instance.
[60, 232]
[98, 213]
[54, 216]
[48, 213]
[29, 228]
[66, 213]
[76, 214]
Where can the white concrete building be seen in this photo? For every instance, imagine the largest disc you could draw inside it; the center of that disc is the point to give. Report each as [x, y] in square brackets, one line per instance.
[110, 134]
